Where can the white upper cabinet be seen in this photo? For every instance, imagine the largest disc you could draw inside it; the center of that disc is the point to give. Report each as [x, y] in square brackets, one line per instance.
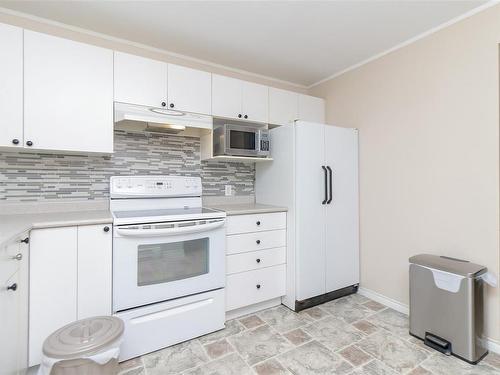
[189, 90]
[283, 106]
[68, 95]
[255, 102]
[139, 80]
[226, 96]
[234, 98]
[11, 86]
[311, 109]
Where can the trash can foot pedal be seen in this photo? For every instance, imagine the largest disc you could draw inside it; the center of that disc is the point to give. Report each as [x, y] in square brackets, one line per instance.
[438, 343]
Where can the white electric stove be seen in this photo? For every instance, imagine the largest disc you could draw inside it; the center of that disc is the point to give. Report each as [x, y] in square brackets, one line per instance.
[168, 261]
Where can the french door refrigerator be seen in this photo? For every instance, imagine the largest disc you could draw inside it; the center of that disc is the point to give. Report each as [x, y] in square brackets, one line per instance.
[314, 173]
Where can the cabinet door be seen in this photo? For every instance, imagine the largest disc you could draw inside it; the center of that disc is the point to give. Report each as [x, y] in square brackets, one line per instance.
[226, 96]
[311, 109]
[189, 90]
[342, 234]
[10, 304]
[53, 284]
[310, 214]
[255, 102]
[94, 270]
[68, 95]
[283, 106]
[139, 80]
[11, 86]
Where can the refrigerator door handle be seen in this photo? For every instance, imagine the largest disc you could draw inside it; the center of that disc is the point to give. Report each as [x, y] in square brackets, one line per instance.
[331, 185]
[326, 184]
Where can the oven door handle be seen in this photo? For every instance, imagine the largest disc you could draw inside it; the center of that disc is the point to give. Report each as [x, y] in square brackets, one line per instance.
[141, 232]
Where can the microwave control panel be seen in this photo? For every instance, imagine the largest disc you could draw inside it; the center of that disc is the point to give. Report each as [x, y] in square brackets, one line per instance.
[264, 141]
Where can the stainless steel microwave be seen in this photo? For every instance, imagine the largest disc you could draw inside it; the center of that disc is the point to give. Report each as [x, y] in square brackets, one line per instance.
[241, 140]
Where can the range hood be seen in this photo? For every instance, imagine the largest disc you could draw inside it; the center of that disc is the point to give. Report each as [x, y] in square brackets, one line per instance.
[159, 120]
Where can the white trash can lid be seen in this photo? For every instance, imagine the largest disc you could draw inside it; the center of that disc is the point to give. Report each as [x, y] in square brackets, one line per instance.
[83, 337]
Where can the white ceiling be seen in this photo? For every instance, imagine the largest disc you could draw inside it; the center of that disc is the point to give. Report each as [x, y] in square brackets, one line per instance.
[296, 41]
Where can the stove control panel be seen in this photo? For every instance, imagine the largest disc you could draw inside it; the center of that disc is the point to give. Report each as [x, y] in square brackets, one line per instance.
[154, 186]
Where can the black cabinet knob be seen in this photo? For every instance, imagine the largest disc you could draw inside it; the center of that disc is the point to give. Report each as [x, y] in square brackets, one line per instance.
[258, 242]
[257, 286]
[15, 141]
[257, 260]
[29, 143]
[246, 116]
[239, 116]
[258, 223]
[106, 229]
[12, 287]
[163, 104]
[172, 105]
[26, 240]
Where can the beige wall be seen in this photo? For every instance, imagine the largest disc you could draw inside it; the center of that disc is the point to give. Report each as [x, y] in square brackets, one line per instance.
[428, 116]
[129, 48]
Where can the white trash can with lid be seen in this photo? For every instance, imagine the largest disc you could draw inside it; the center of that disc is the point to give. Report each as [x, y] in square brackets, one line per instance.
[85, 347]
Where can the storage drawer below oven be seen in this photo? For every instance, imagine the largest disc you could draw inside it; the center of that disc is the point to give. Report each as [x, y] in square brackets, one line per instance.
[247, 288]
[157, 326]
[255, 260]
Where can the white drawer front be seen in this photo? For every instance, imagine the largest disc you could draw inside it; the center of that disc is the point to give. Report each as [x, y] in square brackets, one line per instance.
[241, 243]
[255, 260]
[253, 223]
[247, 288]
[183, 318]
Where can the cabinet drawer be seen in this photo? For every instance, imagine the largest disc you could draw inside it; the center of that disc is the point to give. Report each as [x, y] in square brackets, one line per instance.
[242, 289]
[255, 260]
[254, 223]
[241, 243]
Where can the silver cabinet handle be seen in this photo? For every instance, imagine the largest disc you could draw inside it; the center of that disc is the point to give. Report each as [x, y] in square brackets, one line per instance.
[18, 256]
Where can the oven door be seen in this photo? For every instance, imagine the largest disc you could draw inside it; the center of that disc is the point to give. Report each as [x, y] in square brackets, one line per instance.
[241, 141]
[163, 261]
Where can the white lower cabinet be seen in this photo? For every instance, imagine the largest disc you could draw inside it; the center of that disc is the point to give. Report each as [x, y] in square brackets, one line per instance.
[255, 260]
[94, 270]
[52, 292]
[13, 308]
[248, 288]
[70, 279]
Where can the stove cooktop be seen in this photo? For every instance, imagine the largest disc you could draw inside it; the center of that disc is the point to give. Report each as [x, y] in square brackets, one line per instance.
[164, 215]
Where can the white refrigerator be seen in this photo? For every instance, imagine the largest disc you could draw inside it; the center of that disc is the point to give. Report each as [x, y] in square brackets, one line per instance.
[315, 174]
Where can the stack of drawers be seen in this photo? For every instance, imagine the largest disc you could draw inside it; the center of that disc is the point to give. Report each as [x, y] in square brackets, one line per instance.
[256, 258]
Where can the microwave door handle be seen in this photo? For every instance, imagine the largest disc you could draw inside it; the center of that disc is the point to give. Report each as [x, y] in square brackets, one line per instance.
[128, 232]
[326, 184]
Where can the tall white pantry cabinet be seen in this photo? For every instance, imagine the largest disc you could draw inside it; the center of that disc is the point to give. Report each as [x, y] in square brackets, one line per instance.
[315, 175]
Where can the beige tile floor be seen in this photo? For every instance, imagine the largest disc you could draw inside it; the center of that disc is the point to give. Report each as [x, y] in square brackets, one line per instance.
[351, 335]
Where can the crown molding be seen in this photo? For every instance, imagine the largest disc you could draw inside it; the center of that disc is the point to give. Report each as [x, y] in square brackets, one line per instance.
[146, 47]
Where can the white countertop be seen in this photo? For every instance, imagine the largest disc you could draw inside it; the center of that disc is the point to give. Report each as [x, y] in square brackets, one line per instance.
[247, 208]
[14, 225]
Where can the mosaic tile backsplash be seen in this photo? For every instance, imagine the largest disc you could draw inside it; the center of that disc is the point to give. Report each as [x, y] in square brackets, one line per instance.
[45, 177]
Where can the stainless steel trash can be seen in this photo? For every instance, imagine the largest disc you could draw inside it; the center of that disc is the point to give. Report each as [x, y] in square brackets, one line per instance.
[446, 305]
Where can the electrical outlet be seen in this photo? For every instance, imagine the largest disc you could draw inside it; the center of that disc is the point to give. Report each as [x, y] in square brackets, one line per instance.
[228, 190]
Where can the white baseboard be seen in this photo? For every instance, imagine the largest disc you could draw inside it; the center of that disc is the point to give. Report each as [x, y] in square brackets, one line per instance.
[389, 302]
[493, 345]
